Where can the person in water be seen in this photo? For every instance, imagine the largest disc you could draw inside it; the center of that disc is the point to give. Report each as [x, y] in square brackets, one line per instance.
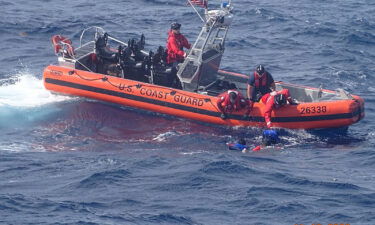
[275, 100]
[230, 101]
[238, 146]
[260, 83]
[175, 44]
[269, 138]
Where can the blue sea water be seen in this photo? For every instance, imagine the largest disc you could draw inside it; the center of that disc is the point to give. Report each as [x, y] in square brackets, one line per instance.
[68, 160]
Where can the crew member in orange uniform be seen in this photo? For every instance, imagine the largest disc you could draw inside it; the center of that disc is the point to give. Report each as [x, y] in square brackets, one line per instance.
[275, 100]
[230, 101]
[175, 44]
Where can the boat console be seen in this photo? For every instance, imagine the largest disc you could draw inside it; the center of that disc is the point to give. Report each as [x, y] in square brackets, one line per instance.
[199, 71]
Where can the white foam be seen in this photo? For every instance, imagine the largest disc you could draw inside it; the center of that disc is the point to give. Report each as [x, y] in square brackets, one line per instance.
[164, 136]
[192, 153]
[14, 147]
[27, 91]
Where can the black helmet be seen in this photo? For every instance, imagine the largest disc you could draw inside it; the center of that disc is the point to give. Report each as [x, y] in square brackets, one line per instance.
[280, 99]
[175, 26]
[260, 70]
[232, 96]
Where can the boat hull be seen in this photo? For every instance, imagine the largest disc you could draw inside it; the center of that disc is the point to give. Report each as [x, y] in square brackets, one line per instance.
[190, 105]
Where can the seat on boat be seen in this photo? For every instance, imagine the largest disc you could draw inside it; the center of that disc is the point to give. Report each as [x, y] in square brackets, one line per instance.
[160, 72]
[160, 56]
[132, 62]
[102, 50]
[136, 46]
[105, 56]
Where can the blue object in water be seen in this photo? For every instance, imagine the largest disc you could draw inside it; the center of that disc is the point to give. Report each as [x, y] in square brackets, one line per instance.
[237, 146]
[270, 137]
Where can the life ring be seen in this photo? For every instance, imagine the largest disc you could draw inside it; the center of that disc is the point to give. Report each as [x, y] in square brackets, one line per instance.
[62, 44]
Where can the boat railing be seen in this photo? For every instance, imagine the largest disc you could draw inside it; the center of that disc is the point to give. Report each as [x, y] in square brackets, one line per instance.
[304, 94]
[98, 31]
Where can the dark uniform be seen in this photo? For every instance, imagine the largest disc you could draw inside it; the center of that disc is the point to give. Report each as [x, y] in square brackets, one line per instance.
[261, 85]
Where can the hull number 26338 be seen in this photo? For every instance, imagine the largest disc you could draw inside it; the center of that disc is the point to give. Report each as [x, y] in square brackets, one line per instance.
[313, 109]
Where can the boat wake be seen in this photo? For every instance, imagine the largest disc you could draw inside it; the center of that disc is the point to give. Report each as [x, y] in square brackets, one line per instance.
[21, 98]
[26, 91]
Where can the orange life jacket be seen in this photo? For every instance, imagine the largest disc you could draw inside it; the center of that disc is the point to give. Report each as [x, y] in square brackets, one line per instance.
[260, 81]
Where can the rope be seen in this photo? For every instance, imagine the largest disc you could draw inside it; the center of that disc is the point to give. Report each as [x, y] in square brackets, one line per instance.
[83, 78]
[104, 79]
[138, 86]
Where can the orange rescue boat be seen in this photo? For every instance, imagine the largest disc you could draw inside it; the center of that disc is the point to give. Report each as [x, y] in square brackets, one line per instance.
[130, 76]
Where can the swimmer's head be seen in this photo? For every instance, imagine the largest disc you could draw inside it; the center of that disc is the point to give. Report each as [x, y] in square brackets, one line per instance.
[270, 137]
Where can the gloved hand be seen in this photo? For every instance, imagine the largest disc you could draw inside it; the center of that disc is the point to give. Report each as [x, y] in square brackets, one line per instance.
[223, 116]
[185, 54]
[269, 125]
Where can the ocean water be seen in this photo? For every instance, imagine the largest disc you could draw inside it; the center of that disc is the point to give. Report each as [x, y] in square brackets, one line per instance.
[68, 160]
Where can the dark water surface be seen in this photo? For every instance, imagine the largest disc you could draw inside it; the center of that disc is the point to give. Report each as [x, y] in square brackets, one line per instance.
[66, 160]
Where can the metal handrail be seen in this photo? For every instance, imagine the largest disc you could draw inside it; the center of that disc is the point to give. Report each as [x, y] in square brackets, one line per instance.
[89, 28]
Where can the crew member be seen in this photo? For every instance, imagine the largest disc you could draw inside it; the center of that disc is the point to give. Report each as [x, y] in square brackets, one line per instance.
[175, 44]
[230, 101]
[275, 100]
[259, 84]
